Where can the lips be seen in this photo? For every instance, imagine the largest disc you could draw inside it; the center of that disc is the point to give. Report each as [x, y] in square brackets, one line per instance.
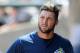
[43, 26]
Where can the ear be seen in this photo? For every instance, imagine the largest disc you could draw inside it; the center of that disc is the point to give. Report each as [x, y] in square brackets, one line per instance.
[56, 22]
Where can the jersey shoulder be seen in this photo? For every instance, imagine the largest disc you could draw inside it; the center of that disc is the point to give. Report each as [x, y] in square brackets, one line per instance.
[27, 37]
[60, 39]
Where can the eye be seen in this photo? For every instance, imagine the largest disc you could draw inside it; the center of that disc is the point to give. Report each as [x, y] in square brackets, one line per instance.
[42, 17]
[50, 18]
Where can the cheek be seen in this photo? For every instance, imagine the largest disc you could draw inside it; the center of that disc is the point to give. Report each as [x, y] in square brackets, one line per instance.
[39, 19]
[39, 22]
[51, 23]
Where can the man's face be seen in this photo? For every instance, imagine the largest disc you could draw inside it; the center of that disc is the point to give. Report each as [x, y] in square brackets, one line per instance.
[46, 21]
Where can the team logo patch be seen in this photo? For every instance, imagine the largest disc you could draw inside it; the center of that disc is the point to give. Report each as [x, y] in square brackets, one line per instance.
[60, 50]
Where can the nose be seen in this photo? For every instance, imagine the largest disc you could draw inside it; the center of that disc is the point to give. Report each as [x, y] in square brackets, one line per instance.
[45, 21]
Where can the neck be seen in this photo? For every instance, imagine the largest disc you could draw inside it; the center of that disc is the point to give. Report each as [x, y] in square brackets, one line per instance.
[45, 35]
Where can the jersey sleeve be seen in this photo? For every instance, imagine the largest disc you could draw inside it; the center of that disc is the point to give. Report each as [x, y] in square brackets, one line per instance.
[16, 47]
[69, 48]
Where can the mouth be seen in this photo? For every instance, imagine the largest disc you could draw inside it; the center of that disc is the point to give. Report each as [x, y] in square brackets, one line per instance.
[43, 26]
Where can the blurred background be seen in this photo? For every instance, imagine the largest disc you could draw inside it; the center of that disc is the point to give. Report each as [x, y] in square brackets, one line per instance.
[19, 17]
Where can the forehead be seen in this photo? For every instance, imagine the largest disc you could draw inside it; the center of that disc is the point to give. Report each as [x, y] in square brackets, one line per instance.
[47, 13]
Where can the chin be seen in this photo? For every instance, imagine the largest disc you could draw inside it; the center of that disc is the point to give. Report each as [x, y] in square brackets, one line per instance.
[45, 31]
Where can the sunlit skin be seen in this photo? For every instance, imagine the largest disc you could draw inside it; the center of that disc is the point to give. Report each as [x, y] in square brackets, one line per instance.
[46, 23]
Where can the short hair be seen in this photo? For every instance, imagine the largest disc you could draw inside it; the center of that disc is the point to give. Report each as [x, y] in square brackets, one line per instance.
[54, 9]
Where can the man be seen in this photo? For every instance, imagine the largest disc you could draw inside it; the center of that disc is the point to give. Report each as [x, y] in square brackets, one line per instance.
[45, 40]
